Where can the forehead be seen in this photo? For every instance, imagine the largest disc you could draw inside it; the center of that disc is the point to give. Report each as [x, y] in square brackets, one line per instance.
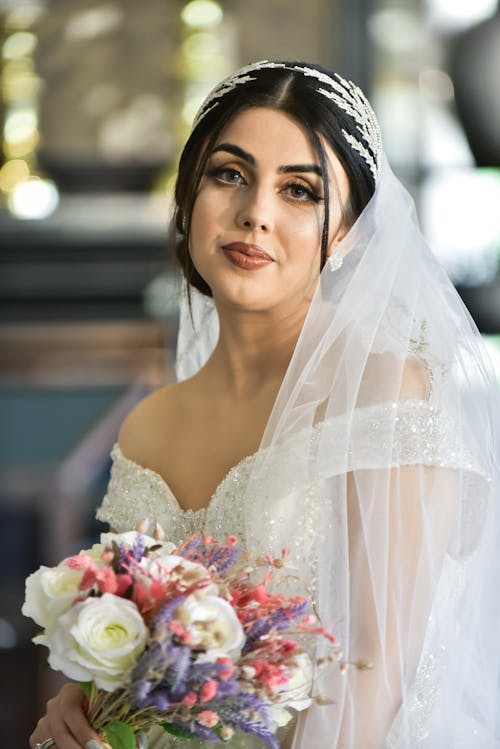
[268, 130]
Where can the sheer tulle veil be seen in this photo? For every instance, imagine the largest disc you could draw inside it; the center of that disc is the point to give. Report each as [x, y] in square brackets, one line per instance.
[388, 494]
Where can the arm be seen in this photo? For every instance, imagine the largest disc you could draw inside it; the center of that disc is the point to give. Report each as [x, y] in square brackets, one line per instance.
[392, 520]
[400, 522]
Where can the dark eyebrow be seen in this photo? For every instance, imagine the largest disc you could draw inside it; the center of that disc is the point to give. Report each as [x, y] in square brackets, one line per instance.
[236, 151]
[287, 169]
[301, 168]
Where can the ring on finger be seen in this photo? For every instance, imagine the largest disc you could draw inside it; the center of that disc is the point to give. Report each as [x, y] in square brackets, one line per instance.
[45, 744]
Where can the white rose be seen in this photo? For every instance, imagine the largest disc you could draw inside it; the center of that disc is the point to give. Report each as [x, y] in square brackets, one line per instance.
[160, 566]
[296, 693]
[213, 625]
[300, 684]
[99, 640]
[279, 716]
[50, 591]
[95, 553]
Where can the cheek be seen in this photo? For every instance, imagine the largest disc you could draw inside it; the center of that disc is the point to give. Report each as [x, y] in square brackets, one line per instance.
[305, 232]
[207, 216]
[202, 221]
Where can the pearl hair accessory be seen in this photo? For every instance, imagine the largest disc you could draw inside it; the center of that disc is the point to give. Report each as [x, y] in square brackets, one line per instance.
[343, 93]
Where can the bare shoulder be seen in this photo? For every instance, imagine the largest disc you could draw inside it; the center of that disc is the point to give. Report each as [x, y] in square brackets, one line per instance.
[152, 423]
[415, 379]
[387, 376]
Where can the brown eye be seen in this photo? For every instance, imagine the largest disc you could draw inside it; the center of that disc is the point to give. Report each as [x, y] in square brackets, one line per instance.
[226, 174]
[299, 191]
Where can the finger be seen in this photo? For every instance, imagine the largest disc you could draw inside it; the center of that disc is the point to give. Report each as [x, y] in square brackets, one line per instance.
[58, 729]
[68, 723]
[72, 699]
[41, 731]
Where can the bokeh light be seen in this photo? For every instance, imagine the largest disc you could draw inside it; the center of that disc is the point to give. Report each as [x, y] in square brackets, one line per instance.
[20, 125]
[453, 15]
[34, 198]
[24, 16]
[461, 218]
[397, 30]
[94, 22]
[12, 173]
[19, 44]
[202, 14]
[436, 84]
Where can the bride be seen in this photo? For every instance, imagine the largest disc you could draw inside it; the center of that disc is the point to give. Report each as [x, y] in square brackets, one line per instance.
[333, 398]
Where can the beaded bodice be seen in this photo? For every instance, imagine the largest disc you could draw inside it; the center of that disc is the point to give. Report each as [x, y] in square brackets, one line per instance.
[136, 493]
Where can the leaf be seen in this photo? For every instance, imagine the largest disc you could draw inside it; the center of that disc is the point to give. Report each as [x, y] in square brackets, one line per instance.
[218, 731]
[87, 688]
[119, 735]
[169, 728]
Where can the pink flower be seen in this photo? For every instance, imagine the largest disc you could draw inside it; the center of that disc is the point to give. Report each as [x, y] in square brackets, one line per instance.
[270, 674]
[104, 577]
[80, 562]
[287, 646]
[207, 718]
[106, 580]
[226, 668]
[124, 581]
[89, 577]
[140, 596]
[208, 690]
[190, 699]
[179, 630]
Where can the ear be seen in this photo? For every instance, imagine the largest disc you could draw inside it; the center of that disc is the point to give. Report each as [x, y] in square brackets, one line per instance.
[337, 239]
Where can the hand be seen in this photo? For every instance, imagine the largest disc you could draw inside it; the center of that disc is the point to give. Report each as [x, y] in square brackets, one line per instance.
[66, 722]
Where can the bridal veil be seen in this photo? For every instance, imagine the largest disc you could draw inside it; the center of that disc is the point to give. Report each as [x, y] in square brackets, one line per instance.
[388, 496]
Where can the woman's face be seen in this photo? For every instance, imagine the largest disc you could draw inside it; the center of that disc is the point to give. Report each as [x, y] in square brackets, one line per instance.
[257, 220]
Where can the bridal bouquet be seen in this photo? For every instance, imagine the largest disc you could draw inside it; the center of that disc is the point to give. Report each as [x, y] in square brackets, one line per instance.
[178, 637]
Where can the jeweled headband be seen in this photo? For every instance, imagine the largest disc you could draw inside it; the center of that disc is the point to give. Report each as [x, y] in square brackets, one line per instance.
[343, 93]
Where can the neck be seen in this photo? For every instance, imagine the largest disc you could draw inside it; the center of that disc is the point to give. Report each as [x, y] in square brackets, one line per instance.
[253, 352]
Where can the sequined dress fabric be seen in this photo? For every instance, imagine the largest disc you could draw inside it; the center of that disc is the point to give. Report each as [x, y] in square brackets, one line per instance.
[423, 436]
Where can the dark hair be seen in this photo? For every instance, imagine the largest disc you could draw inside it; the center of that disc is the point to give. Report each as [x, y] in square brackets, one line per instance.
[286, 90]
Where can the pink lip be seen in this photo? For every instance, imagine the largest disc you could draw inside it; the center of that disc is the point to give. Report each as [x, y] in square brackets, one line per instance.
[250, 250]
[249, 257]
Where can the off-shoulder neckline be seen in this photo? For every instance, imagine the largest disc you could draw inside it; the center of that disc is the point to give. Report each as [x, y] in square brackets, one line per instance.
[228, 477]
[118, 453]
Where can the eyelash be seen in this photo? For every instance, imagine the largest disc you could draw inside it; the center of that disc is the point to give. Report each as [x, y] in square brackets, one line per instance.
[218, 172]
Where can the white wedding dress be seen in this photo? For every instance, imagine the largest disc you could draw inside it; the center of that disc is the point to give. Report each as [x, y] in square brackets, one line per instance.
[425, 437]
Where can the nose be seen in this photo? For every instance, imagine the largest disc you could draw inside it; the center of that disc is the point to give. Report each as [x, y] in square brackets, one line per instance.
[254, 212]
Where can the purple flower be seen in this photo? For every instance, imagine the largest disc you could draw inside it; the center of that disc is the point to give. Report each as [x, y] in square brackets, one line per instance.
[279, 620]
[180, 666]
[227, 688]
[205, 733]
[153, 660]
[240, 712]
[165, 613]
[140, 693]
[210, 555]
[139, 548]
[201, 672]
[160, 699]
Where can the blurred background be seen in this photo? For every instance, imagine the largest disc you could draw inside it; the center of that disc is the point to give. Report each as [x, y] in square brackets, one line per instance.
[96, 98]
